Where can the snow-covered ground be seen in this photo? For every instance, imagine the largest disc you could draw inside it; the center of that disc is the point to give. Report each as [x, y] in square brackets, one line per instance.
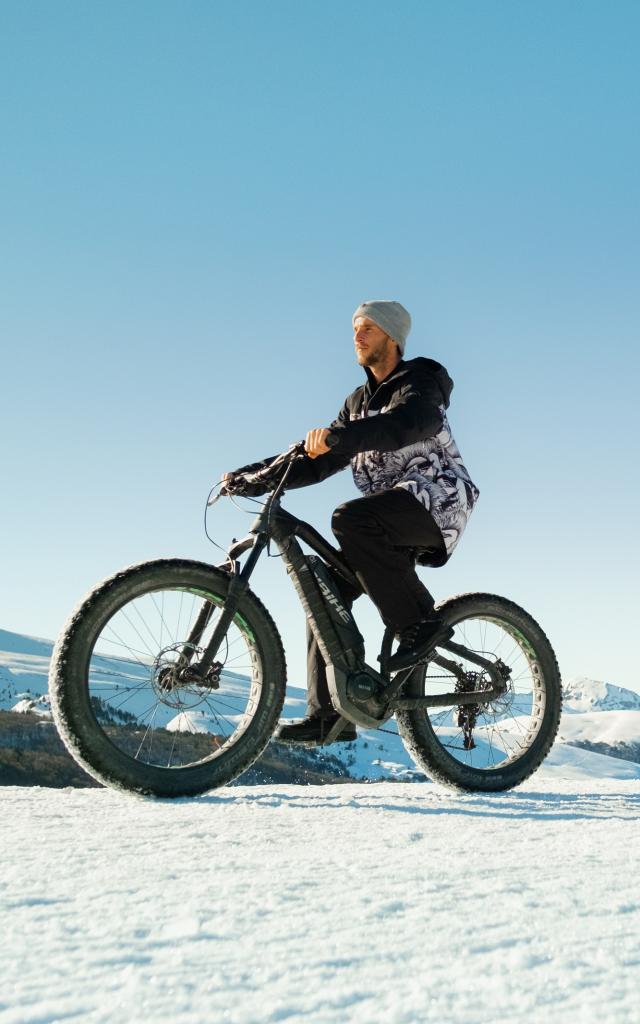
[358, 903]
[348, 903]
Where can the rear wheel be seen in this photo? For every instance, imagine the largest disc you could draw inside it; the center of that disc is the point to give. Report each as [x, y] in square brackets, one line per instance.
[497, 744]
[127, 700]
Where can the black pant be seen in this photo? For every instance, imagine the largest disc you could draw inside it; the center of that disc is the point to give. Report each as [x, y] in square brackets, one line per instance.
[379, 535]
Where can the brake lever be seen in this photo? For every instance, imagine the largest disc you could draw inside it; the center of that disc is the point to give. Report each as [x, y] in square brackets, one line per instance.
[297, 448]
[294, 451]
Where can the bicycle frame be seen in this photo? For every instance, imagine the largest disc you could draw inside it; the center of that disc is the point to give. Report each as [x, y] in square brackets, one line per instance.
[334, 626]
[361, 694]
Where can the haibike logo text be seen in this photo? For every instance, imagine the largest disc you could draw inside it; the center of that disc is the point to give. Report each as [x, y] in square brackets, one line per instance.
[332, 599]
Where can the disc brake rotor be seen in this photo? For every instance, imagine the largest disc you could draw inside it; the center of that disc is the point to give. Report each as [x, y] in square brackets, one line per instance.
[177, 677]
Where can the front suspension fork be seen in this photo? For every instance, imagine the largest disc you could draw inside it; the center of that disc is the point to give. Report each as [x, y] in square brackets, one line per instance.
[238, 585]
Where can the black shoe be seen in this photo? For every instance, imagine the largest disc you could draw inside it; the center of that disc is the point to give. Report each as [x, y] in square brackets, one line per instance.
[316, 730]
[417, 640]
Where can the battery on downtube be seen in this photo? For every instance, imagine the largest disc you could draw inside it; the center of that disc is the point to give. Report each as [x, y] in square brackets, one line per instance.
[330, 605]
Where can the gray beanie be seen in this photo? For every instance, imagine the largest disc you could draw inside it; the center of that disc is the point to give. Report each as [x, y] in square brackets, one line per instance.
[390, 316]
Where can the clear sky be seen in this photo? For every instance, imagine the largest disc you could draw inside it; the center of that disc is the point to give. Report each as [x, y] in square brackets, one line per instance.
[194, 198]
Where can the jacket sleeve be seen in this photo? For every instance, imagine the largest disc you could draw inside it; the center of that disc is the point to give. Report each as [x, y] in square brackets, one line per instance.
[312, 471]
[414, 413]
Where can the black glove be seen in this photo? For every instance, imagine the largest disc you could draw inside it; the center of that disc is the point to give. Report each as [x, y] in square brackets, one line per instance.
[250, 485]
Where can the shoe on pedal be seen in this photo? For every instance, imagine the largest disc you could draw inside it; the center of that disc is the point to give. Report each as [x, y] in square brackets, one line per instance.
[316, 729]
[417, 640]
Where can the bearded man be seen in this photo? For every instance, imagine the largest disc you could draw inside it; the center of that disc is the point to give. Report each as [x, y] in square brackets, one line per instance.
[417, 496]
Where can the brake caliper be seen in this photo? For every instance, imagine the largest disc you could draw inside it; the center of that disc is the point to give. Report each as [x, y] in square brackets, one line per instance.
[209, 680]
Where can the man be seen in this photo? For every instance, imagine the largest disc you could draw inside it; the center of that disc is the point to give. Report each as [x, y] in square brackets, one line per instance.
[417, 495]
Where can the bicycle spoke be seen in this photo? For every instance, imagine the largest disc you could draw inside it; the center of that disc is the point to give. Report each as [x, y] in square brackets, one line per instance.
[163, 624]
[145, 624]
[500, 732]
[145, 688]
[127, 647]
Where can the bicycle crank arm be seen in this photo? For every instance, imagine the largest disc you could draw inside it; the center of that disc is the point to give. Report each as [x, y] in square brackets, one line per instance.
[444, 700]
[333, 733]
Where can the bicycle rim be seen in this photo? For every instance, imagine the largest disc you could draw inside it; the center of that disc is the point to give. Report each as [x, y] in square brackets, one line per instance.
[496, 743]
[140, 700]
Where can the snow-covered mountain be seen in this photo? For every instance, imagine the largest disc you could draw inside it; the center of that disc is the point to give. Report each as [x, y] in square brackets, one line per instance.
[24, 667]
[581, 694]
[599, 732]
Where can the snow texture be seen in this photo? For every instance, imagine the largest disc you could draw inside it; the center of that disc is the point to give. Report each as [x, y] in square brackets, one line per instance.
[362, 903]
[356, 903]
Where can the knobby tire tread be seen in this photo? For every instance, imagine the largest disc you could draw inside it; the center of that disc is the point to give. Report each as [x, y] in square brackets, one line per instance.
[147, 780]
[426, 750]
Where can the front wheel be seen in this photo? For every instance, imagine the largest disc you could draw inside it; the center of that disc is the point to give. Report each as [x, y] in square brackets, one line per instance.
[494, 745]
[127, 701]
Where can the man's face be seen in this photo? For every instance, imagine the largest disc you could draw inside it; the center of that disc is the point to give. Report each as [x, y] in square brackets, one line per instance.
[372, 345]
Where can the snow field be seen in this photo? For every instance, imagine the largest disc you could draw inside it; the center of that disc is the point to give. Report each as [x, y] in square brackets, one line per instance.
[353, 903]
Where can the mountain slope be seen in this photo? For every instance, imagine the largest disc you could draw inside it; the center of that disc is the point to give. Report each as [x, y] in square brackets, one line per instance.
[598, 718]
[582, 694]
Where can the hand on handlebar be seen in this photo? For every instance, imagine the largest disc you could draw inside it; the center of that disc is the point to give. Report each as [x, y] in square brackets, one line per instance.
[315, 442]
[257, 479]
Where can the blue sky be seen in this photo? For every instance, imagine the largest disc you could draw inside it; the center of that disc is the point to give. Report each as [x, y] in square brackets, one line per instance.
[196, 196]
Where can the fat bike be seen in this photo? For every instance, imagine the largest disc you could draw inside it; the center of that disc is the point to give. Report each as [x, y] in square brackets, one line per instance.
[169, 678]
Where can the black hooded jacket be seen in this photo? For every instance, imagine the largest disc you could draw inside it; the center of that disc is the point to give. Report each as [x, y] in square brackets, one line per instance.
[395, 434]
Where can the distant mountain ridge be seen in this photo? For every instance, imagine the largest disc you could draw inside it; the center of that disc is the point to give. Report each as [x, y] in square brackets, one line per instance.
[582, 695]
[19, 643]
[600, 719]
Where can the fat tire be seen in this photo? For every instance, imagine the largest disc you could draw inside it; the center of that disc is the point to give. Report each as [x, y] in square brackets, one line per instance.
[423, 745]
[83, 736]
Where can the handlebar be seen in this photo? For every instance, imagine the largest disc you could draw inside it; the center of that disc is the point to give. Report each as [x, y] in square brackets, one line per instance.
[284, 460]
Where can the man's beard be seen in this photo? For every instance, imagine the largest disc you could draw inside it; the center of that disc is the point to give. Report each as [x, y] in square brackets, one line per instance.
[371, 358]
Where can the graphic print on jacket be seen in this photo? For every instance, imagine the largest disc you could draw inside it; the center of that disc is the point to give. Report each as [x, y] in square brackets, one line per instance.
[395, 433]
[432, 470]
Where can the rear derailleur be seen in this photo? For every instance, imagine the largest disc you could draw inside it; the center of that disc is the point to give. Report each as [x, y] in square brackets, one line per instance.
[468, 713]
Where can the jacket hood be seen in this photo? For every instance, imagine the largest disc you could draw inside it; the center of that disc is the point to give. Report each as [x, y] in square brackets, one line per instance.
[420, 364]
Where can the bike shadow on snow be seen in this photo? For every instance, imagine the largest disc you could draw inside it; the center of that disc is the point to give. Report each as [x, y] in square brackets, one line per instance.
[514, 804]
